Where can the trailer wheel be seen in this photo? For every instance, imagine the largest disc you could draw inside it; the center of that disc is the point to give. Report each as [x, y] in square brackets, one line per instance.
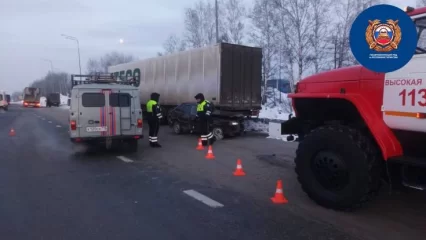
[338, 167]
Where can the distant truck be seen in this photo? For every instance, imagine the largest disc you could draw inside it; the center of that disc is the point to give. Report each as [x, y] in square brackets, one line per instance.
[228, 75]
[357, 127]
[53, 99]
[32, 97]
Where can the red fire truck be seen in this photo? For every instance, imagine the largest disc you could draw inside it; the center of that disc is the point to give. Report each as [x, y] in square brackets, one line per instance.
[356, 127]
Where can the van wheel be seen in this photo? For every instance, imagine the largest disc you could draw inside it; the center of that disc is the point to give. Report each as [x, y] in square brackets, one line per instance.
[177, 128]
[133, 145]
[338, 167]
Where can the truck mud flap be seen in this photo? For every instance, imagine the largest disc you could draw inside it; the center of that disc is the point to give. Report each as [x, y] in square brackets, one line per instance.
[291, 126]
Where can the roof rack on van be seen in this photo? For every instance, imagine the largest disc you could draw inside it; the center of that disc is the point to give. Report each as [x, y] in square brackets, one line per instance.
[100, 78]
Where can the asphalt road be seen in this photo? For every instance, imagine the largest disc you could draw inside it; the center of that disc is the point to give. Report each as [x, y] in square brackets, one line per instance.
[52, 190]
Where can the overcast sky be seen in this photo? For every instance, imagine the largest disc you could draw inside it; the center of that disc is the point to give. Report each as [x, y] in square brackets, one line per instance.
[31, 30]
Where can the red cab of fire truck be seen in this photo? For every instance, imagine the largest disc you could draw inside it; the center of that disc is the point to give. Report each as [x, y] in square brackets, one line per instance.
[356, 127]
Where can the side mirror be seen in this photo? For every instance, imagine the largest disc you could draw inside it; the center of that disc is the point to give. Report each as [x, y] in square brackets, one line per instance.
[69, 102]
[290, 116]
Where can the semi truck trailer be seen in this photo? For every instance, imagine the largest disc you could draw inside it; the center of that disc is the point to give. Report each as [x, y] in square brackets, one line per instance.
[228, 75]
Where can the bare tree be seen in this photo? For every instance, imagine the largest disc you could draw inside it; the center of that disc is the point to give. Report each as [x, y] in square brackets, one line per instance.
[173, 44]
[200, 27]
[295, 23]
[109, 59]
[421, 3]
[234, 14]
[53, 82]
[93, 66]
[264, 35]
[319, 38]
[346, 12]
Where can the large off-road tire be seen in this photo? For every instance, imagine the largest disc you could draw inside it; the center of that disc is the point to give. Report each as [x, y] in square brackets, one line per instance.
[338, 167]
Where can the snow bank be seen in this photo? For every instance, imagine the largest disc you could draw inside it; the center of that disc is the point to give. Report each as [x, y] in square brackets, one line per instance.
[64, 99]
[278, 105]
[43, 101]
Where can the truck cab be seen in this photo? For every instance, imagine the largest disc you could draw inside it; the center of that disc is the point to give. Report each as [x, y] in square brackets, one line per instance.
[356, 127]
[104, 111]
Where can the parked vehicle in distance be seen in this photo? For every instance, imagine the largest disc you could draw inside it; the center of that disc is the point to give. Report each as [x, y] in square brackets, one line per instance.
[183, 120]
[104, 112]
[53, 99]
[3, 101]
[32, 97]
[228, 75]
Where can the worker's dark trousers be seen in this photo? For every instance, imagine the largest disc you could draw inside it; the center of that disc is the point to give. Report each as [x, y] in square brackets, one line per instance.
[207, 137]
[154, 127]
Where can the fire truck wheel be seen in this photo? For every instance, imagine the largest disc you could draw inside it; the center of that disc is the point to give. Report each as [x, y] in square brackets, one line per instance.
[338, 167]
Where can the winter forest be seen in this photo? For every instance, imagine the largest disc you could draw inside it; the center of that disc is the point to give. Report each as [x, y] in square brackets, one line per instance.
[298, 37]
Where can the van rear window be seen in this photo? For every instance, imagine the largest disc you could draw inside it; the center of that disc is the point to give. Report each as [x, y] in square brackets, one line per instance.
[119, 100]
[93, 100]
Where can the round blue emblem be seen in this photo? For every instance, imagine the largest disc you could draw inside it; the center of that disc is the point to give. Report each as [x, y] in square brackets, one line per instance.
[383, 38]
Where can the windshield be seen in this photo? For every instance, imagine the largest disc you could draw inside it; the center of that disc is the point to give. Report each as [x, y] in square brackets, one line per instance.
[421, 35]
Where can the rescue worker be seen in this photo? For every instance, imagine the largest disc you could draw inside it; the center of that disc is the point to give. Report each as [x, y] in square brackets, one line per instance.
[154, 118]
[204, 111]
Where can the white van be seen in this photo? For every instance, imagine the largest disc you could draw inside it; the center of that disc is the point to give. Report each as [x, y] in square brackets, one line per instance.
[105, 111]
[3, 101]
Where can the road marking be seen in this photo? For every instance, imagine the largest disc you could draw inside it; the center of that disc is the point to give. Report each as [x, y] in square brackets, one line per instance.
[58, 126]
[124, 159]
[202, 198]
[43, 119]
[50, 121]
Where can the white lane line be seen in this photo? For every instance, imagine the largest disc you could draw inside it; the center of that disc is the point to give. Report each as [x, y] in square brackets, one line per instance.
[58, 126]
[50, 121]
[124, 159]
[202, 198]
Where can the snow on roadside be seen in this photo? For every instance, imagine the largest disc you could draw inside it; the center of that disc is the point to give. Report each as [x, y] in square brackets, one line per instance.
[43, 101]
[277, 107]
[64, 99]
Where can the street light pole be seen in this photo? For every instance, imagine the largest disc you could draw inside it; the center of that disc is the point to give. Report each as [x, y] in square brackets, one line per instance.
[217, 20]
[51, 64]
[78, 48]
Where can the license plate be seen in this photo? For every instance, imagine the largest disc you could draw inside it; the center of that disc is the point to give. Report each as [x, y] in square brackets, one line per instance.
[96, 129]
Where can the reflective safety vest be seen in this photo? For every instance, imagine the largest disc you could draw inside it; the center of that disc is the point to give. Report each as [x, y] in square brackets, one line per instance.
[149, 105]
[200, 106]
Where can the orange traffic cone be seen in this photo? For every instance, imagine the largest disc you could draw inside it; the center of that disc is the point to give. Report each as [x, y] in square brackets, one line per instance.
[239, 170]
[209, 154]
[279, 195]
[12, 132]
[200, 145]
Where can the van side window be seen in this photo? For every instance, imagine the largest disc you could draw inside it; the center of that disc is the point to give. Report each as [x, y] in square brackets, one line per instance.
[93, 100]
[119, 100]
[1, 97]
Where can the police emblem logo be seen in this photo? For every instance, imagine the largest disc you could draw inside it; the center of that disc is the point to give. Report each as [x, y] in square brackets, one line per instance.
[383, 37]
